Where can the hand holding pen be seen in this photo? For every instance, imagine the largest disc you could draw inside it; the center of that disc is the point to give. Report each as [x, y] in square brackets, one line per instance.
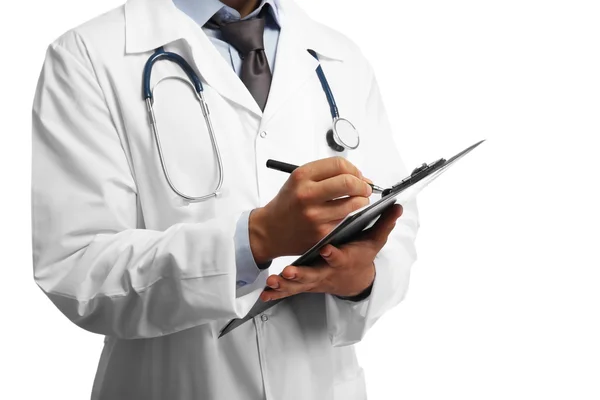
[312, 201]
[289, 168]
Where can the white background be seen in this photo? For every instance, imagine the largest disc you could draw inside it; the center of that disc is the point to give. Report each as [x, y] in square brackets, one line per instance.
[504, 302]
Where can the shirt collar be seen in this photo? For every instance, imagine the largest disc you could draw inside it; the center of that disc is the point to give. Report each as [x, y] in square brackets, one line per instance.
[201, 11]
[150, 24]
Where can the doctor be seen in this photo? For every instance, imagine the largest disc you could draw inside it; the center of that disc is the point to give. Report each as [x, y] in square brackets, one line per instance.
[120, 251]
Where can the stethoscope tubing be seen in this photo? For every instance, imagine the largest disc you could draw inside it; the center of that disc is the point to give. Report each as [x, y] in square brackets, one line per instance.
[199, 89]
[326, 88]
[161, 54]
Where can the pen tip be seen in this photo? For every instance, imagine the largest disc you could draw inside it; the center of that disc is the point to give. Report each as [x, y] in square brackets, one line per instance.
[377, 189]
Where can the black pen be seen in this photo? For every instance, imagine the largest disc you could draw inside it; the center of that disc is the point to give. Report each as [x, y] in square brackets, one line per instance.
[289, 168]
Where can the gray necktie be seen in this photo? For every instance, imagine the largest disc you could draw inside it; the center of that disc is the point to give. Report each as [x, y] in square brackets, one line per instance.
[246, 36]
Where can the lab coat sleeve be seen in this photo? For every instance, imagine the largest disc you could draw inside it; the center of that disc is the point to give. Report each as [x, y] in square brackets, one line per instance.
[89, 258]
[247, 269]
[348, 321]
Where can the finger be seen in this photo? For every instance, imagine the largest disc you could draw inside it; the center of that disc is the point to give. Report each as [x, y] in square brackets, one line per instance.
[338, 209]
[307, 275]
[367, 180]
[292, 287]
[379, 232]
[296, 279]
[333, 256]
[295, 275]
[281, 287]
[339, 186]
[327, 168]
[273, 295]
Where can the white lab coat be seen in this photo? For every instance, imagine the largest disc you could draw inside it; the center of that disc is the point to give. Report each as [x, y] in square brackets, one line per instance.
[120, 255]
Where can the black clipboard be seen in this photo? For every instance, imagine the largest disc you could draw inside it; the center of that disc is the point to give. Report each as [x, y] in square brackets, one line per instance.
[360, 220]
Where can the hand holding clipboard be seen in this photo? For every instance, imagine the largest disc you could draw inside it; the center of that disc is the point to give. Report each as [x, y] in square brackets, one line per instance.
[360, 220]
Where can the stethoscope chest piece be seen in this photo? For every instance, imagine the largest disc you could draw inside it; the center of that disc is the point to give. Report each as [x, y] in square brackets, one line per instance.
[342, 135]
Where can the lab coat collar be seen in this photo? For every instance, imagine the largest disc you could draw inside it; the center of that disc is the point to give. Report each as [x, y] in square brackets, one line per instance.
[154, 23]
[293, 64]
[311, 34]
[151, 24]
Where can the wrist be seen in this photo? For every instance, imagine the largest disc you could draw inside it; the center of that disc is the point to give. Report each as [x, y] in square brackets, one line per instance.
[359, 297]
[365, 293]
[258, 234]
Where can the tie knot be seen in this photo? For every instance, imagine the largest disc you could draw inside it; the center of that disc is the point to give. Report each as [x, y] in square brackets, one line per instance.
[245, 35]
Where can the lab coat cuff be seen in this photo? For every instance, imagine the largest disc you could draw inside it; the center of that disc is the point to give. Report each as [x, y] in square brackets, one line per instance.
[359, 297]
[247, 269]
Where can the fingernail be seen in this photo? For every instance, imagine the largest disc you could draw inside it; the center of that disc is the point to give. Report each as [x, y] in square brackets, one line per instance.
[289, 275]
[326, 252]
[274, 286]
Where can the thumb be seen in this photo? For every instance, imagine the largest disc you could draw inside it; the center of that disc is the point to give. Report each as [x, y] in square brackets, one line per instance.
[333, 256]
[379, 232]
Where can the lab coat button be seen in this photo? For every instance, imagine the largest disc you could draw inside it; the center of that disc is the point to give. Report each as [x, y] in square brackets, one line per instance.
[263, 134]
[264, 318]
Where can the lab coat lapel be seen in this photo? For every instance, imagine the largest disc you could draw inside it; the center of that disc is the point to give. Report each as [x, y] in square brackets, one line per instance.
[293, 67]
[152, 24]
[217, 73]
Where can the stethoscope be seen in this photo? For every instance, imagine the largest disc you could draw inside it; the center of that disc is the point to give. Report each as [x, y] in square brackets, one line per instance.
[342, 135]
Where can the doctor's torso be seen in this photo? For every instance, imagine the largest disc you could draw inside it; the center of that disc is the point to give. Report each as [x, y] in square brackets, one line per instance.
[285, 353]
[292, 128]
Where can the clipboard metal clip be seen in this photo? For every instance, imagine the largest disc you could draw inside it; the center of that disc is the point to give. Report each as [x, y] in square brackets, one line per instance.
[416, 175]
[426, 168]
